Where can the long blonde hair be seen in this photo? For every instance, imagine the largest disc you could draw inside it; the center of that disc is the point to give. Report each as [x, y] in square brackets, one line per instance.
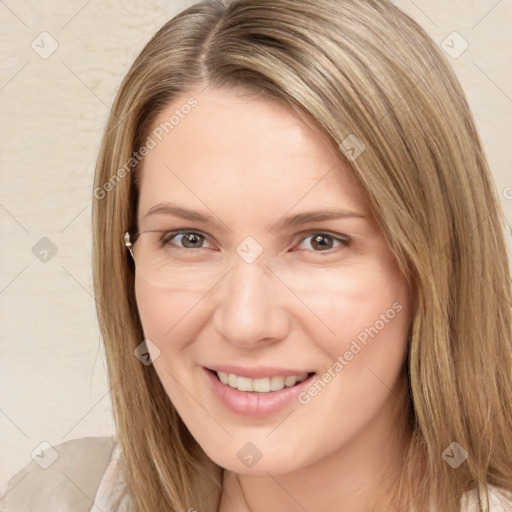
[352, 68]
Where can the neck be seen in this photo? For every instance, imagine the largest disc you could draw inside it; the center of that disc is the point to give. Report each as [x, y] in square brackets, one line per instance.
[358, 477]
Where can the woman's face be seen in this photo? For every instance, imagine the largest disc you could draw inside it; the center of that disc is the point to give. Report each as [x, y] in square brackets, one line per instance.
[285, 274]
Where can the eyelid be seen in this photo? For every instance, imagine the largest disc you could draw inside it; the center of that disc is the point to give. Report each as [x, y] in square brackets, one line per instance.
[171, 234]
[310, 232]
[345, 240]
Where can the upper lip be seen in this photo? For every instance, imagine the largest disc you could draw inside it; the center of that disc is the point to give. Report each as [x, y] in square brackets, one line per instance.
[258, 372]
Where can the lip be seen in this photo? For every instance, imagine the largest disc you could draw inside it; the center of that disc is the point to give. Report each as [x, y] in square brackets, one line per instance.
[259, 372]
[253, 404]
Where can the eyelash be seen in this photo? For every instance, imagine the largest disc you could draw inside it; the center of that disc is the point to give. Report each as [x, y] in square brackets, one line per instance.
[168, 236]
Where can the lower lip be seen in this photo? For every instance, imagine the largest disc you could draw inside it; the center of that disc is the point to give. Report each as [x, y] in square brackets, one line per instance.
[251, 403]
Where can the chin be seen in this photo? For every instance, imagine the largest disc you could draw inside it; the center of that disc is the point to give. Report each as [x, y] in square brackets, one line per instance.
[255, 459]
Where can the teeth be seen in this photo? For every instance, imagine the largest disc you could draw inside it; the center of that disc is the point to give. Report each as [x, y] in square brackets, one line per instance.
[259, 385]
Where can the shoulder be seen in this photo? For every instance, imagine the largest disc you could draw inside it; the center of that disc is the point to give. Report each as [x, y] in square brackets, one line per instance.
[62, 478]
[500, 500]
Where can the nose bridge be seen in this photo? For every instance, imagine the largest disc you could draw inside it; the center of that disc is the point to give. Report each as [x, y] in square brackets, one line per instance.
[248, 308]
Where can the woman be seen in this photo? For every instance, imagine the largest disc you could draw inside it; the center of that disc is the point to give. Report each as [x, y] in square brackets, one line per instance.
[300, 270]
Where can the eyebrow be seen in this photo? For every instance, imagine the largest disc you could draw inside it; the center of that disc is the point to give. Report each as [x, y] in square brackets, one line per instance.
[284, 223]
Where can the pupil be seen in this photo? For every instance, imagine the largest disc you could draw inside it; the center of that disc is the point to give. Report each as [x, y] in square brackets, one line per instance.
[320, 240]
[190, 238]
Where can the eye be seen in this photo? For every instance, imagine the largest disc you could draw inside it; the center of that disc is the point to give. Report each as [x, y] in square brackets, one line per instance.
[319, 241]
[322, 242]
[188, 239]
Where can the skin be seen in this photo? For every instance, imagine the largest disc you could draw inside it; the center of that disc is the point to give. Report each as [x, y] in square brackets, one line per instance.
[250, 162]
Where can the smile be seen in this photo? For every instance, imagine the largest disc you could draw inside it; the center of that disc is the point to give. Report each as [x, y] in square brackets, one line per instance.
[263, 385]
[259, 397]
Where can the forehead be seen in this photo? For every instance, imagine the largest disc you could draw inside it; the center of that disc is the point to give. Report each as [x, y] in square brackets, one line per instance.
[243, 149]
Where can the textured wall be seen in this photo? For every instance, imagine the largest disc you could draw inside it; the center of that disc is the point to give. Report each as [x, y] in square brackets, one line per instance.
[53, 384]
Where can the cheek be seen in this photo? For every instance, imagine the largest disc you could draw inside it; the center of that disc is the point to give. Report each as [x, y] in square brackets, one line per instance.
[163, 314]
[151, 310]
[357, 304]
[161, 310]
[364, 355]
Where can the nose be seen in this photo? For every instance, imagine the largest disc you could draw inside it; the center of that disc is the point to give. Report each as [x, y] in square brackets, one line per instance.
[251, 305]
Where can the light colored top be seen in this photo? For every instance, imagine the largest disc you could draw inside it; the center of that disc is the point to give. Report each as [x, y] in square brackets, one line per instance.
[75, 476]
[110, 487]
[85, 477]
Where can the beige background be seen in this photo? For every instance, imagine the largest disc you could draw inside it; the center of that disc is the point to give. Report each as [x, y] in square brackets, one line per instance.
[53, 384]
